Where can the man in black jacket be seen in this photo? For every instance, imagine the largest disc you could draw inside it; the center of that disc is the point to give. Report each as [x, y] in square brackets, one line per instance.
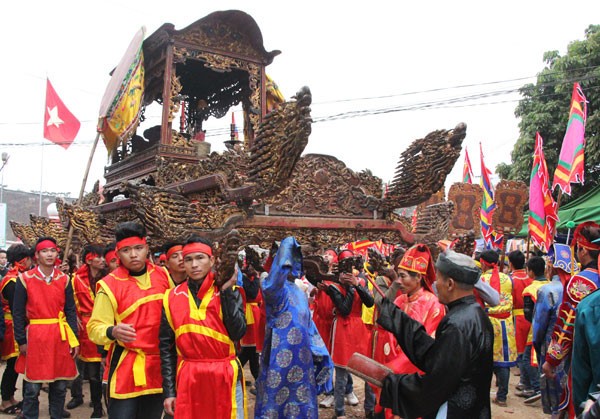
[457, 364]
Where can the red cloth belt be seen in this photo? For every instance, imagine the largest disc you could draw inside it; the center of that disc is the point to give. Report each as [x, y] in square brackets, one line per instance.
[500, 315]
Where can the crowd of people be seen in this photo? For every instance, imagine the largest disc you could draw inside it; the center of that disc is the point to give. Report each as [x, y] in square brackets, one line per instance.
[162, 335]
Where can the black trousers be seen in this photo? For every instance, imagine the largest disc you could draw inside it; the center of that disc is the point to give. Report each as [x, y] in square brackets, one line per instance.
[142, 407]
[249, 353]
[93, 372]
[8, 386]
[57, 391]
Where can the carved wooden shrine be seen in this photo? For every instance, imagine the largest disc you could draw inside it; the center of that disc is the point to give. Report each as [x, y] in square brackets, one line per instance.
[263, 189]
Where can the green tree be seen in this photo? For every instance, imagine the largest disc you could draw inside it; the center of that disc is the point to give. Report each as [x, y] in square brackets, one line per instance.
[545, 108]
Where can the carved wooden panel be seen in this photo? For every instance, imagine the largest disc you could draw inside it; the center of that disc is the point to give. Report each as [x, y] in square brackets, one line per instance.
[510, 197]
[314, 239]
[467, 200]
[324, 185]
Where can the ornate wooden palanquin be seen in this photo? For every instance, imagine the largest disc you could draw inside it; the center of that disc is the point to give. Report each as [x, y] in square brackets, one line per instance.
[213, 64]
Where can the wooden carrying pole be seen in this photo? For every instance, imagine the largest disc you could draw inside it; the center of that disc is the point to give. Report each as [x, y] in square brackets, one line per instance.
[372, 281]
[81, 191]
[503, 254]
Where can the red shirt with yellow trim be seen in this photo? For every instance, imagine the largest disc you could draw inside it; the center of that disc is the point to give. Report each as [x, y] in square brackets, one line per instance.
[49, 336]
[8, 347]
[122, 298]
[207, 368]
[84, 302]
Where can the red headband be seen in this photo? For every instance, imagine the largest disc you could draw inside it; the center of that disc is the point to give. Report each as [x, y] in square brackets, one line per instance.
[110, 255]
[91, 256]
[345, 254]
[20, 265]
[486, 263]
[495, 276]
[45, 244]
[174, 249]
[130, 241]
[581, 240]
[196, 248]
[162, 258]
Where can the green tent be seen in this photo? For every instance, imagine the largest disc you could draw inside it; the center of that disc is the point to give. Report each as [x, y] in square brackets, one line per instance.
[584, 208]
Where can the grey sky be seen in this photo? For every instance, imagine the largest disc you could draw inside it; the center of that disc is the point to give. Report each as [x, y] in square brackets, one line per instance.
[341, 50]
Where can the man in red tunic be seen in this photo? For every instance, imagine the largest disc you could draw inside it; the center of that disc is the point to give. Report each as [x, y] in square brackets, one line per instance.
[200, 322]
[174, 263]
[253, 300]
[84, 288]
[19, 258]
[126, 316]
[110, 257]
[586, 239]
[520, 279]
[323, 318]
[47, 346]
[350, 334]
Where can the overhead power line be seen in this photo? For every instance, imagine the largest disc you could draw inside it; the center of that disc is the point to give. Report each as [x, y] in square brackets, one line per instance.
[447, 103]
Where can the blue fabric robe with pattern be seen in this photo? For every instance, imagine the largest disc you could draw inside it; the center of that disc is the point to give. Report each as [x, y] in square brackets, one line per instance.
[295, 364]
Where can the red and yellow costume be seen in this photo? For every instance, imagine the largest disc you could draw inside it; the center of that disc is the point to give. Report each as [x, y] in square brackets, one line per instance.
[505, 348]
[531, 292]
[576, 289]
[207, 368]
[122, 298]
[522, 326]
[8, 347]
[253, 318]
[49, 336]
[84, 302]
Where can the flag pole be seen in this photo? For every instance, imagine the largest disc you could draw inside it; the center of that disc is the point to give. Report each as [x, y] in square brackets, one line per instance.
[81, 191]
[41, 180]
[503, 252]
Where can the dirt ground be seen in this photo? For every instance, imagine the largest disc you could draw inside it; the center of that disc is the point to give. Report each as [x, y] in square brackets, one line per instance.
[516, 408]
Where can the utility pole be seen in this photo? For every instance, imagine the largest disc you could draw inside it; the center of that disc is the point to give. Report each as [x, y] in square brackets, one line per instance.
[5, 157]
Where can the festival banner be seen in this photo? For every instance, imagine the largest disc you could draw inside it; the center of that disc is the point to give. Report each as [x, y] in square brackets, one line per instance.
[488, 206]
[467, 170]
[542, 208]
[60, 125]
[570, 167]
[122, 100]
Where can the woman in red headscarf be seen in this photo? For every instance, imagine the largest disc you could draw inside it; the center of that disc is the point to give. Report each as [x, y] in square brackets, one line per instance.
[416, 274]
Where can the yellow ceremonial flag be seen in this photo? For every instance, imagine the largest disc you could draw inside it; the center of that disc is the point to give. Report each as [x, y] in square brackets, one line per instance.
[122, 100]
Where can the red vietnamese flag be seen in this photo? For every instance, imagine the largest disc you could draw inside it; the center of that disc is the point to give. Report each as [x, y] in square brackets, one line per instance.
[60, 125]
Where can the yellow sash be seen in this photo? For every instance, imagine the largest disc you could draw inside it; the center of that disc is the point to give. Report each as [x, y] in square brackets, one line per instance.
[249, 313]
[139, 367]
[65, 330]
